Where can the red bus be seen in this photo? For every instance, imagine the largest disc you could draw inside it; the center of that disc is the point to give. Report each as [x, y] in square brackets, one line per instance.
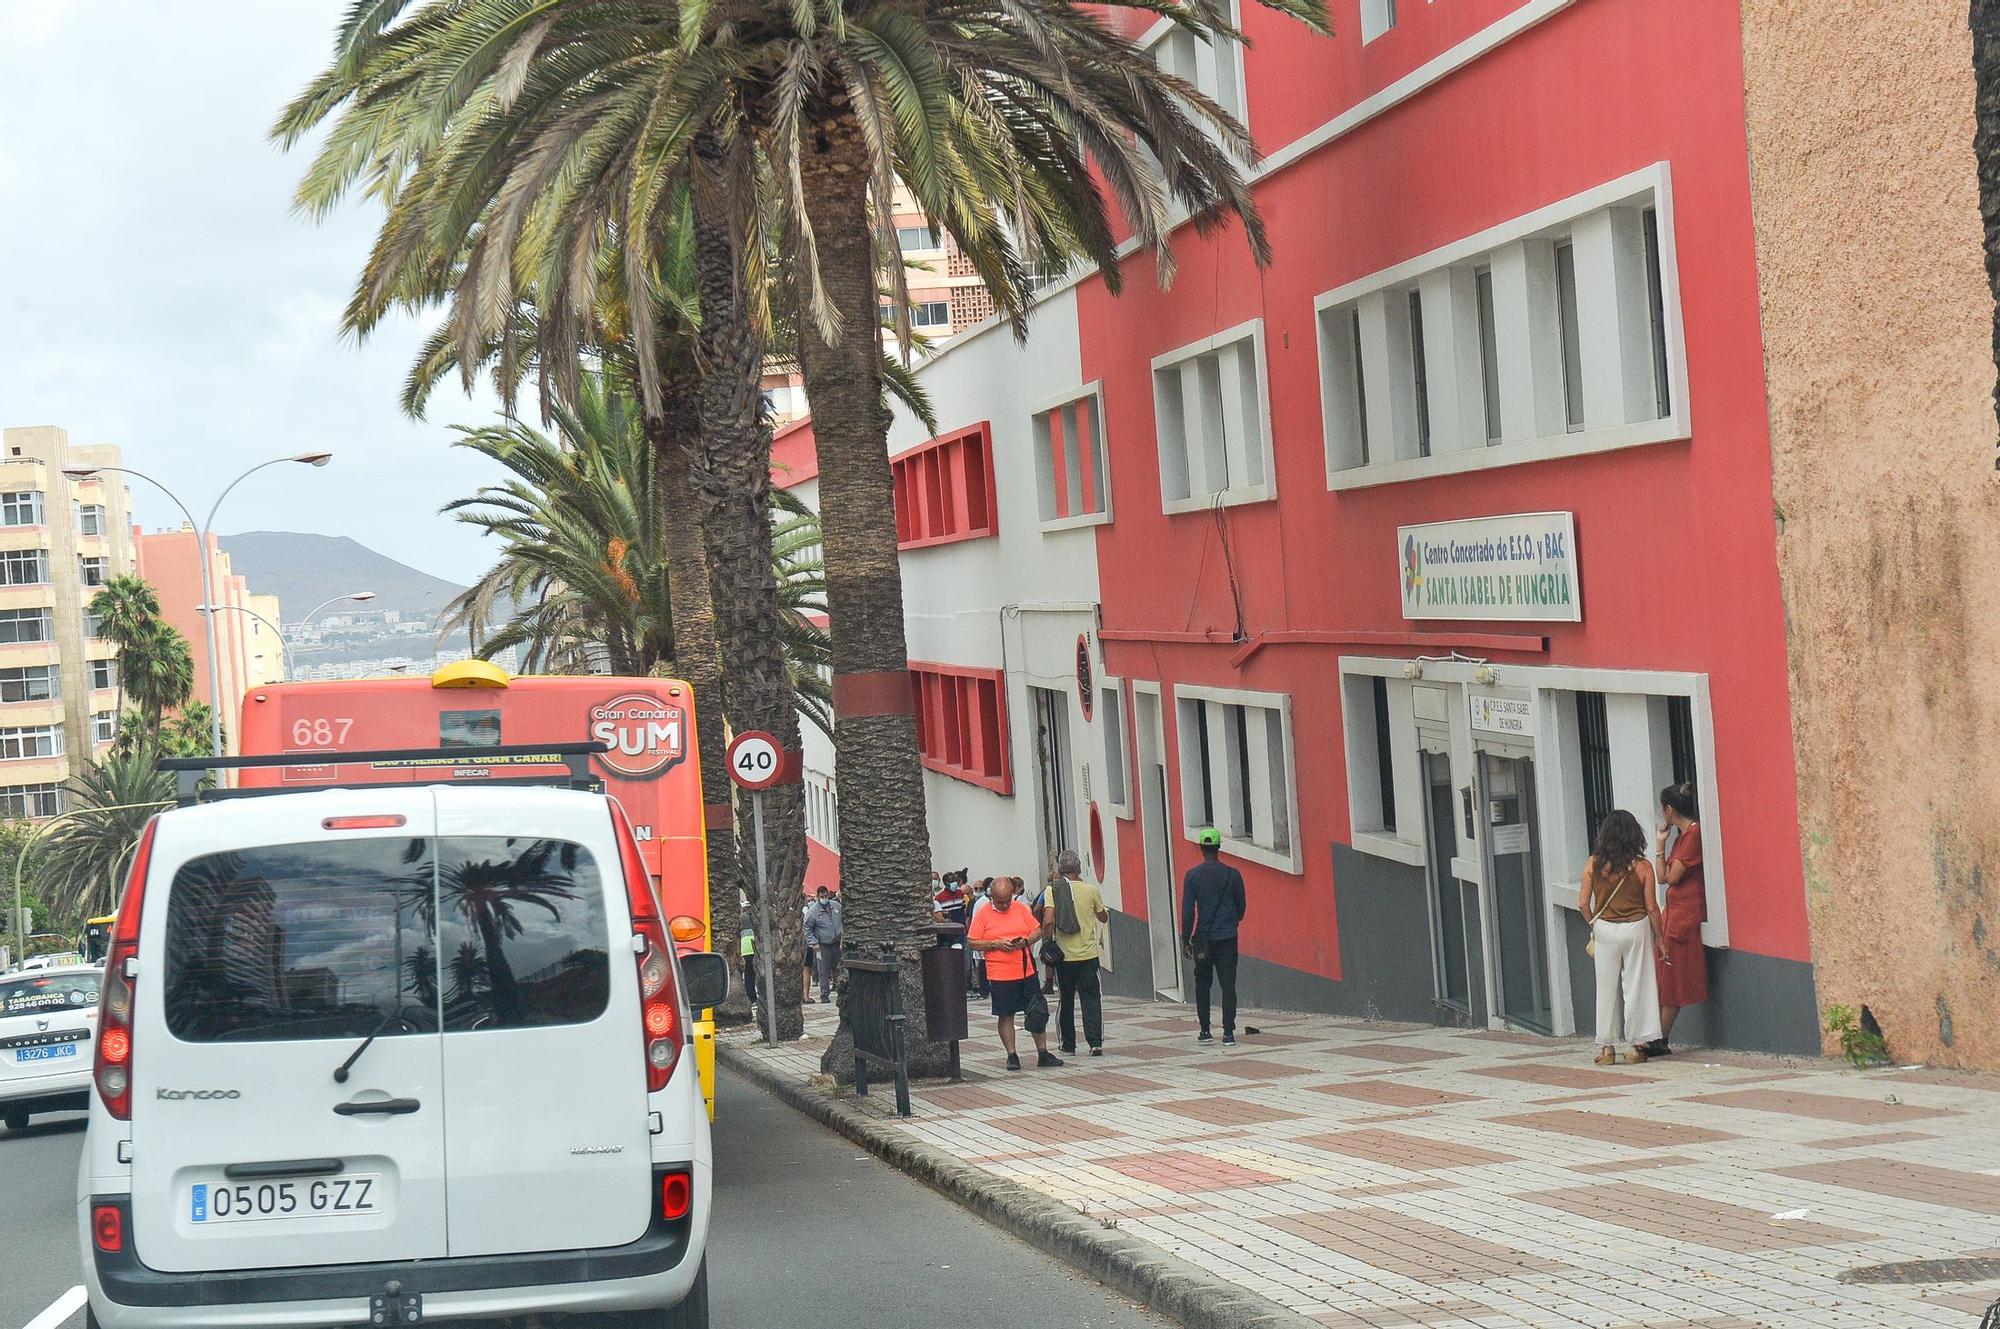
[650, 767]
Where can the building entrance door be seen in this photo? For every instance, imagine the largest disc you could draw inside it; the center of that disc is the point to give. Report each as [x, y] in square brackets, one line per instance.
[1517, 920]
[1450, 955]
[1158, 838]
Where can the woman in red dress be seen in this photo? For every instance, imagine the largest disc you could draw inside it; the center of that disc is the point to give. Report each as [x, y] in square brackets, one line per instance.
[1683, 963]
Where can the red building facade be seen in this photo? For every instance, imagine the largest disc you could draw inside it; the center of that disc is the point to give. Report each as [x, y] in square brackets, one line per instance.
[1445, 534]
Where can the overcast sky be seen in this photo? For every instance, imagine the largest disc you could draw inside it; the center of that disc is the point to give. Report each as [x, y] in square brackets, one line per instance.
[157, 292]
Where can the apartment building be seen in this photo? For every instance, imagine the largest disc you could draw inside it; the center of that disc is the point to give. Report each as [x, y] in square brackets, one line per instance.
[60, 539]
[1403, 561]
[246, 648]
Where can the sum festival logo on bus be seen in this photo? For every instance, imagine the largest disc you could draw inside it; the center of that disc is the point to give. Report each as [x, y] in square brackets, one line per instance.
[646, 736]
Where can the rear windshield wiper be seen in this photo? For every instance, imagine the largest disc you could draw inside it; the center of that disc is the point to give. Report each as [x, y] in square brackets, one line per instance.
[340, 1071]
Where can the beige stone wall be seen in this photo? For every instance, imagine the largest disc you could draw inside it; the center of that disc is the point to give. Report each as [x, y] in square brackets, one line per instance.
[1877, 331]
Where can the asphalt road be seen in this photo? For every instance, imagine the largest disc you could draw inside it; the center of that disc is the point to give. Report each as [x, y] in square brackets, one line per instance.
[808, 1231]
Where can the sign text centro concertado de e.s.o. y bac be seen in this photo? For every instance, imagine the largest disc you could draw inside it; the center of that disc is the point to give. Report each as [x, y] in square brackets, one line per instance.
[1520, 567]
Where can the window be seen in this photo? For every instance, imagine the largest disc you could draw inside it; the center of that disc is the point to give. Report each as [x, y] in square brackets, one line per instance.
[93, 626]
[1117, 757]
[468, 729]
[32, 683]
[1236, 772]
[1217, 74]
[39, 994]
[1377, 17]
[21, 508]
[1550, 335]
[962, 724]
[24, 567]
[1213, 426]
[1418, 380]
[1680, 742]
[103, 726]
[1072, 486]
[336, 941]
[90, 519]
[919, 238]
[30, 800]
[36, 624]
[1572, 344]
[44, 741]
[103, 675]
[930, 314]
[1385, 754]
[1489, 355]
[93, 571]
[1593, 740]
[1656, 309]
[944, 489]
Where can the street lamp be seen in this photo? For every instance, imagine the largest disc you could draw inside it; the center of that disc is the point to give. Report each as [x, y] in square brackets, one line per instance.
[201, 531]
[290, 672]
[357, 596]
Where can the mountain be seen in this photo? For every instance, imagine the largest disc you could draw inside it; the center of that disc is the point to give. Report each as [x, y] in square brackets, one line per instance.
[303, 570]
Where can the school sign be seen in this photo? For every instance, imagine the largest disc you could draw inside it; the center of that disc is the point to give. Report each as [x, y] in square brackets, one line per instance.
[1520, 567]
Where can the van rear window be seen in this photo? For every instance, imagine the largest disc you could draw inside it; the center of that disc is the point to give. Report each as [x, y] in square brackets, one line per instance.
[341, 939]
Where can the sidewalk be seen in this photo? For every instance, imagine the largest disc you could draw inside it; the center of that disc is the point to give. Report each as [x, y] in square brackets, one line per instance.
[1374, 1174]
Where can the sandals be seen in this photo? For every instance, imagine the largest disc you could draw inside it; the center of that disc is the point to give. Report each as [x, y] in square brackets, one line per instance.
[1633, 1056]
[1605, 1057]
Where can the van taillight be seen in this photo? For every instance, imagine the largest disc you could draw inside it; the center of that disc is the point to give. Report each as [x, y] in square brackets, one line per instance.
[107, 1228]
[659, 1001]
[676, 1195]
[116, 1002]
[385, 821]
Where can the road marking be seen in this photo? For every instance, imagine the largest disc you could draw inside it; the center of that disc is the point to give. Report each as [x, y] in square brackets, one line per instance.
[59, 1310]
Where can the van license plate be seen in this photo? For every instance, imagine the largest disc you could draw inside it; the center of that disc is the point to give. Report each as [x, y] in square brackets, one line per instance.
[55, 1053]
[319, 1197]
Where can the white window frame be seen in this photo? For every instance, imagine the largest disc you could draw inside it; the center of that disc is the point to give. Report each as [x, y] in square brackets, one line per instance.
[1251, 331]
[110, 666]
[15, 740]
[88, 563]
[44, 615]
[1093, 391]
[1290, 859]
[1164, 28]
[103, 726]
[28, 793]
[51, 672]
[1111, 702]
[1377, 17]
[1362, 765]
[927, 305]
[1650, 186]
[88, 514]
[37, 509]
[932, 232]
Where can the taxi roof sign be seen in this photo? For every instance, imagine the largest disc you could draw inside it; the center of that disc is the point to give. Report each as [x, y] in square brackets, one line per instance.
[470, 674]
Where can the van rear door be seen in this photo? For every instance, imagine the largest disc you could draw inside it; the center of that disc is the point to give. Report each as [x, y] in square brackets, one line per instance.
[278, 936]
[547, 1140]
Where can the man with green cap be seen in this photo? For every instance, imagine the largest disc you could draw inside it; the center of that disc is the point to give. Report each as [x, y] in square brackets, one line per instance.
[1212, 904]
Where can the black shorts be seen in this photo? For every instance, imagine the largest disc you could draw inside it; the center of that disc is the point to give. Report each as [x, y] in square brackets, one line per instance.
[1010, 995]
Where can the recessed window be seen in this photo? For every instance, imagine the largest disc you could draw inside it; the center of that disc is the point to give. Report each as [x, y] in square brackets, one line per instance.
[30, 800]
[1572, 343]
[1208, 402]
[21, 508]
[1680, 742]
[34, 624]
[1593, 741]
[961, 719]
[1072, 484]
[1489, 353]
[1179, 52]
[917, 238]
[1377, 17]
[1419, 381]
[92, 570]
[103, 726]
[32, 683]
[1236, 755]
[103, 675]
[1117, 758]
[42, 741]
[930, 314]
[1656, 309]
[90, 519]
[1385, 763]
[24, 567]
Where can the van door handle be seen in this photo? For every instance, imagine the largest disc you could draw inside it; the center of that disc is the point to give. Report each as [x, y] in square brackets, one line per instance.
[388, 1107]
[292, 1167]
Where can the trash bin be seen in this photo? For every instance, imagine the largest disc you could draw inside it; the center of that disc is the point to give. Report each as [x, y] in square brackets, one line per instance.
[944, 984]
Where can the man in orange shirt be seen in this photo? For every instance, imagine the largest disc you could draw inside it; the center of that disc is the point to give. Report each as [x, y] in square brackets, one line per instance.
[1005, 931]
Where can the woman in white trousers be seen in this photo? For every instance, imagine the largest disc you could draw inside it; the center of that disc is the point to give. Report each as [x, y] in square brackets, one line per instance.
[1623, 909]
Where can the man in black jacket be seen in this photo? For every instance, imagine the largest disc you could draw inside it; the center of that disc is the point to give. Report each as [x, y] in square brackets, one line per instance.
[1212, 905]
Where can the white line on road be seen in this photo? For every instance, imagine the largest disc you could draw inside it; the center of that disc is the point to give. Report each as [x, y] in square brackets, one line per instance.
[59, 1310]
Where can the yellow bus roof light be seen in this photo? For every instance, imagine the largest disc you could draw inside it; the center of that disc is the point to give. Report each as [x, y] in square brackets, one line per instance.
[470, 674]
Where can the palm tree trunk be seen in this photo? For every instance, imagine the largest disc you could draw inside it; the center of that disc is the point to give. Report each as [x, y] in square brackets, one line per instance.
[699, 661]
[884, 838]
[733, 476]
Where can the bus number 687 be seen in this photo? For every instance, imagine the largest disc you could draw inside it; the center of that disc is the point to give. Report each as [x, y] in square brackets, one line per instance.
[321, 732]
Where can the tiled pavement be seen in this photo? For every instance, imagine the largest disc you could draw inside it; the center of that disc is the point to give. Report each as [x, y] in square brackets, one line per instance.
[1368, 1174]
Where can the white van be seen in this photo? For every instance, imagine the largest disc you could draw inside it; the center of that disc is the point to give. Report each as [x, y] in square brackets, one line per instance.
[395, 1055]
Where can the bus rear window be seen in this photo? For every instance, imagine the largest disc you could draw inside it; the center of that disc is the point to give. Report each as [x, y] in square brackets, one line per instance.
[468, 729]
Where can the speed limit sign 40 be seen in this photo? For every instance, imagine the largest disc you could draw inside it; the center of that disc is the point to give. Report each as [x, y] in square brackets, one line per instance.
[755, 760]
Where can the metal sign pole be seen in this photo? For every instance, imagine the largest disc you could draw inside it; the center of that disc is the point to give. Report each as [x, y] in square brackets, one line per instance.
[764, 938]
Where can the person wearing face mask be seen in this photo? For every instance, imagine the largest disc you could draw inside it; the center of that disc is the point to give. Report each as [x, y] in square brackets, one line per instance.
[1683, 964]
[1004, 932]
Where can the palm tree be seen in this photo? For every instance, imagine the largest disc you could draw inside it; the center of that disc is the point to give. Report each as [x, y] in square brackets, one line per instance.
[156, 669]
[572, 503]
[124, 609]
[509, 144]
[85, 854]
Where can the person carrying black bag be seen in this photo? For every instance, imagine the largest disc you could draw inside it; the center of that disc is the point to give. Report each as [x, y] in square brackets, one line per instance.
[1212, 905]
[1005, 932]
[1072, 913]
